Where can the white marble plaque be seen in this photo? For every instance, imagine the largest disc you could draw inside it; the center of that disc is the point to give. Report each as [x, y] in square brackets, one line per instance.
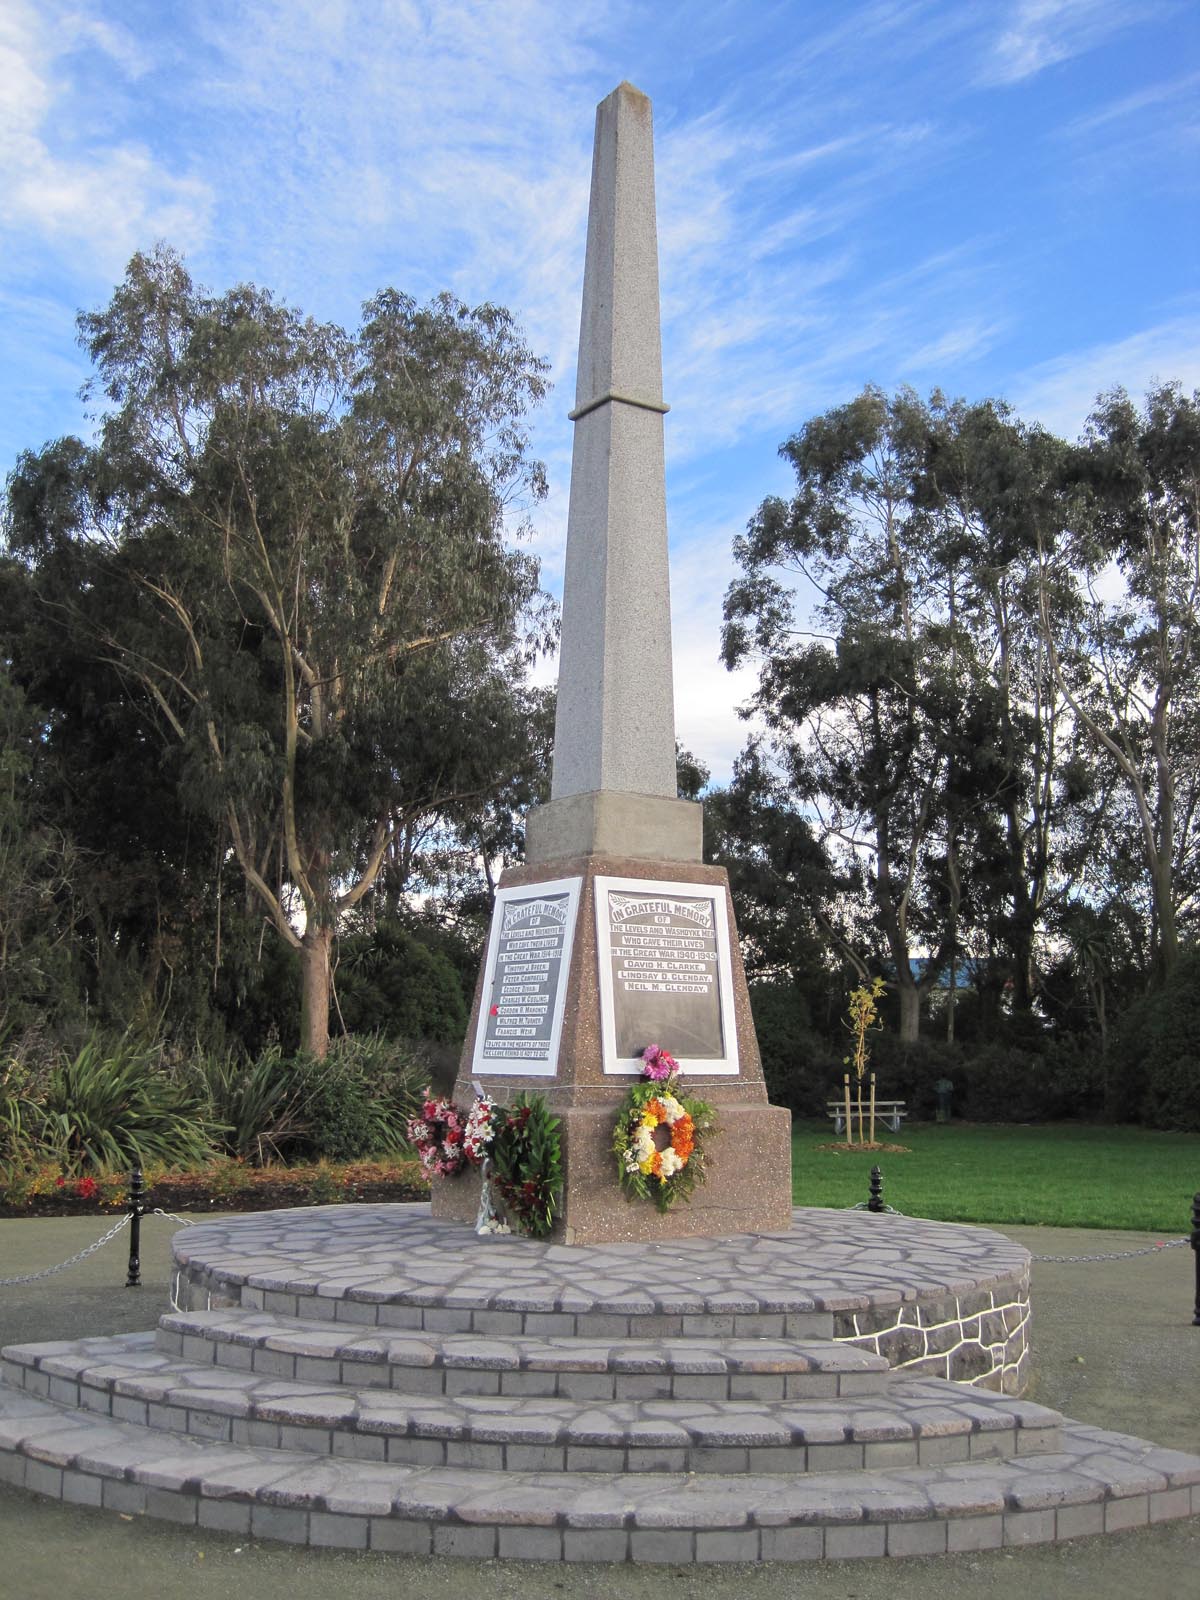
[525, 980]
[665, 974]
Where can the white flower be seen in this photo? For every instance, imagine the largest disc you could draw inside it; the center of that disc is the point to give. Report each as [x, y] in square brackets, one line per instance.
[670, 1163]
[672, 1110]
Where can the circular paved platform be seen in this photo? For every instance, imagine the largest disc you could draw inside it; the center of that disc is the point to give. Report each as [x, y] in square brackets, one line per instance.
[938, 1298]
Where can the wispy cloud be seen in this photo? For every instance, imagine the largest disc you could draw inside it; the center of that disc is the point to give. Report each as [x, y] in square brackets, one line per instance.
[1153, 97]
[1062, 392]
[110, 197]
[1041, 33]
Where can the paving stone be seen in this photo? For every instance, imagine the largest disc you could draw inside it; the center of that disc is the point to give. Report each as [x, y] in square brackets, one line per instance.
[660, 1544]
[456, 1539]
[1133, 1512]
[1078, 1521]
[403, 1537]
[530, 1544]
[117, 1495]
[854, 1541]
[335, 1532]
[916, 1538]
[279, 1522]
[1168, 1504]
[595, 1544]
[728, 1545]
[1028, 1527]
[224, 1516]
[975, 1533]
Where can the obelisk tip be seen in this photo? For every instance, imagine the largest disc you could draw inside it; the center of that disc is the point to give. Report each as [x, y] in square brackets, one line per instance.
[629, 91]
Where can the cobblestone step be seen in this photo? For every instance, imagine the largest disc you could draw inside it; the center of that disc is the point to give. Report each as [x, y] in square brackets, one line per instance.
[916, 1422]
[574, 1368]
[1096, 1482]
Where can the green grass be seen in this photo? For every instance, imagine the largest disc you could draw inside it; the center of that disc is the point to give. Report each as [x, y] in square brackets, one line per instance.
[1063, 1175]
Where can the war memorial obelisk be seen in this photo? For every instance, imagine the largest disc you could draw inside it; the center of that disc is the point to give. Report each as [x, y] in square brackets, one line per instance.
[613, 934]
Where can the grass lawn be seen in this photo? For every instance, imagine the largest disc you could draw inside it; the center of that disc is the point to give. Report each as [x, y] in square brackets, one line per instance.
[1059, 1174]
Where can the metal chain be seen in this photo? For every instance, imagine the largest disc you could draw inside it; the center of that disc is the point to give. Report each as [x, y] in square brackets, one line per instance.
[1121, 1255]
[48, 1272]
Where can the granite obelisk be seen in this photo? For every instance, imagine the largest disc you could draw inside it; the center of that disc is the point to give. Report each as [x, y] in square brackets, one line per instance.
[613, 934]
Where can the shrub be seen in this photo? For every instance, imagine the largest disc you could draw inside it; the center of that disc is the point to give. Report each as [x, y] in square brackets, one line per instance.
[106, 1108]
[392, 981]
[354, 1103]
[798, 1066]
[1155, 1065]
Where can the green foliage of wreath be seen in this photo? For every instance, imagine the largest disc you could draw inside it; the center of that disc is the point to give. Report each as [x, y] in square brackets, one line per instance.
[527, 1165]
[638, 1185]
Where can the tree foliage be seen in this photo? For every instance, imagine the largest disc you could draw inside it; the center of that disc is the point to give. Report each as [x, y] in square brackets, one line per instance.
[977, 706]
[289, 541]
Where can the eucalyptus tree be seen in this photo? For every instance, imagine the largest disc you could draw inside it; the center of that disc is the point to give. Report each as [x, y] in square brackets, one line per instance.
[992, 487]
[1128, 659]
[291, 541]
[870, 720]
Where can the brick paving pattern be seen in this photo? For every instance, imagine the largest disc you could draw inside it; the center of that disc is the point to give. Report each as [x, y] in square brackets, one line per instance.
[369, 1378]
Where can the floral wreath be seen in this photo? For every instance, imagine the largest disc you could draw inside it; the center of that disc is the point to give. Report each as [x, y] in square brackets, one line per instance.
[658, 1137]
[517, 1148]
[438, 1136]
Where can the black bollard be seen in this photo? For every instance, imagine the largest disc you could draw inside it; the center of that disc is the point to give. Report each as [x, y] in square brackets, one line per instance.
[1196, 1254]
[875, 1203]
[137, 1189]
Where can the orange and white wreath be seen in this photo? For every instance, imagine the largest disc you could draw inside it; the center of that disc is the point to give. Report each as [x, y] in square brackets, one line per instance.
[658, 1137]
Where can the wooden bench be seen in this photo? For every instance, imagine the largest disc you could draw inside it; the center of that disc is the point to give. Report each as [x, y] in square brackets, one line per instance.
[890, 1112]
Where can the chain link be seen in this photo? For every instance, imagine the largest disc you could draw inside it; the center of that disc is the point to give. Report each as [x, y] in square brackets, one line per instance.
[48, 1272]
[1121, 1255]
[90, 1250]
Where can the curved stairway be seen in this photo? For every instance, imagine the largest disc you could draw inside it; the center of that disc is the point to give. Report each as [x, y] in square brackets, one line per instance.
[590, 1444]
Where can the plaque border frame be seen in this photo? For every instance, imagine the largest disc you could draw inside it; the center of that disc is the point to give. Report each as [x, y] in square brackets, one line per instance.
[726, 1066]
[523, 1066]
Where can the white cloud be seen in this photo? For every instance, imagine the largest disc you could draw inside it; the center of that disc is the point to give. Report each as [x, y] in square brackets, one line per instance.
[1061, 393]
[1041, 33]
[111, 199]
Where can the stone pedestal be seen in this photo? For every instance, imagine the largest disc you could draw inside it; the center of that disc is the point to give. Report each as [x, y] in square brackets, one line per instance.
[747, 1161]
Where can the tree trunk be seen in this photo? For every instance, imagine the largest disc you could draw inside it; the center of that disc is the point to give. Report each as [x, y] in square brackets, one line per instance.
[910, 1013]
[315, 950]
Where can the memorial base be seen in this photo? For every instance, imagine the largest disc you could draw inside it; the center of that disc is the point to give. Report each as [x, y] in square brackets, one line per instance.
[748, 1184]
[747, 1187]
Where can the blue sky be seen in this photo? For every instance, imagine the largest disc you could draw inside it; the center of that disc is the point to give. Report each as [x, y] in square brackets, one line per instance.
[994, 198]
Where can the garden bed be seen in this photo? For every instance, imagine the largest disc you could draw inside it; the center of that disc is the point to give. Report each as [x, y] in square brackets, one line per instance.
[224, 1186]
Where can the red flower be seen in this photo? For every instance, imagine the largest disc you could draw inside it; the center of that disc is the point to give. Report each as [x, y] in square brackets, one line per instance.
[87, 1188]
[59, 1182]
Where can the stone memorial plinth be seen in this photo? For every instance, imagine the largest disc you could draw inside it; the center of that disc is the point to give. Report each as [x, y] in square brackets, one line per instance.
[614, 935]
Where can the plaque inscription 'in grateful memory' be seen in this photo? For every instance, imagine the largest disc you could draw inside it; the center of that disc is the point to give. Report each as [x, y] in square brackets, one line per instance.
[665, 965]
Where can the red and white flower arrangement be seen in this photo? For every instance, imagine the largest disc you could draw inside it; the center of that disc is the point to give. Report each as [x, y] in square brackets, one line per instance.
[438, 1136]
[480, 1131]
